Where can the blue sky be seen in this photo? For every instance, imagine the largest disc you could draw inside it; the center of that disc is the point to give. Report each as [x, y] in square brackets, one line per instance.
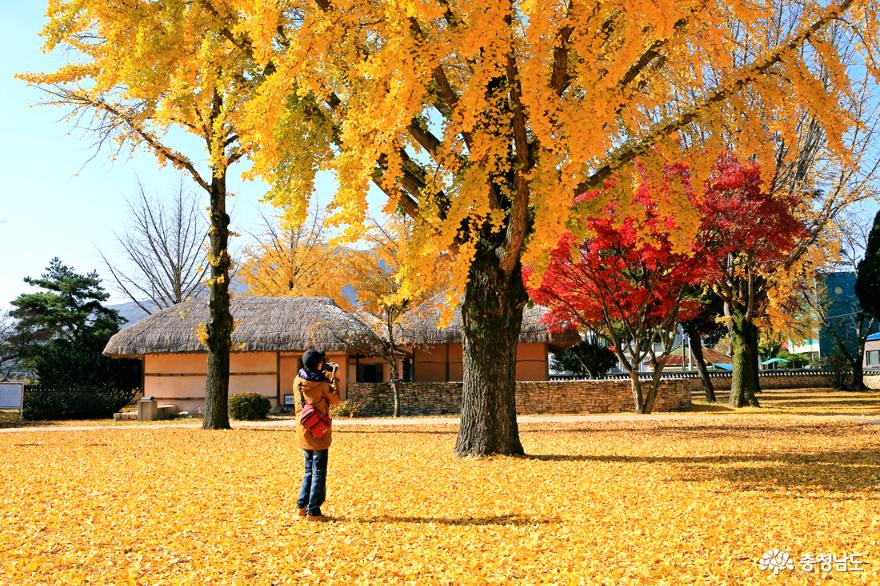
[50, 205]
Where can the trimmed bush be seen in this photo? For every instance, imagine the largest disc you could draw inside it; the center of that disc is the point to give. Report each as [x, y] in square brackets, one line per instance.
[82, 401]
[249, 406]
[347, 409]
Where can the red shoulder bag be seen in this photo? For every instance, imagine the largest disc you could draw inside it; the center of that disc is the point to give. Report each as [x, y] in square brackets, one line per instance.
[315, 422]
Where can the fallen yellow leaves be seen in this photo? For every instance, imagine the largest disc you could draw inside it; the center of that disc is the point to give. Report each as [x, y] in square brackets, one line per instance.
[696, 498]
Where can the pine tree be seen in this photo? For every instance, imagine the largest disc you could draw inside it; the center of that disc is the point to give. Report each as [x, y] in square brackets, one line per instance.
[868, 274]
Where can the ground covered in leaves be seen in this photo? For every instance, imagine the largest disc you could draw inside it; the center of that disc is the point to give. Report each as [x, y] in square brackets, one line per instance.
[691, 498]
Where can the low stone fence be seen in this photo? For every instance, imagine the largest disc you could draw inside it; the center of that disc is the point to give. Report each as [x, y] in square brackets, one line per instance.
[798, 379]
[783, 379]
[770, 379]
[580, 396]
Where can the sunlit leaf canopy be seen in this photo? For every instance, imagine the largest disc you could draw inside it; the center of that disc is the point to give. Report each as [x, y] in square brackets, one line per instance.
[480, 119]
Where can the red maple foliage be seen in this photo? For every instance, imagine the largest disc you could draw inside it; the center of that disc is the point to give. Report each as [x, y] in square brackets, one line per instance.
[751, 233]
[746, 228]
[628, 283]
[625, 282]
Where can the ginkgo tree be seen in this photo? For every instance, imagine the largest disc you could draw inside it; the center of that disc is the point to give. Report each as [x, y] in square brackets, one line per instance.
[387, 308]
[295, 261]
[483, 120]
[140, 74]
[818, 184]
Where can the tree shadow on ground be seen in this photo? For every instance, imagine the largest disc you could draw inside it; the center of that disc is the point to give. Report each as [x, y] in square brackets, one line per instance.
[839, 404]
[340, 429]
[403, 430]
[711, 408]
[500, 520]
[837, 471]
[683, 427]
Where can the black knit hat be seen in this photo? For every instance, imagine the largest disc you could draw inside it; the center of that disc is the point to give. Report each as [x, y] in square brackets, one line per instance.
[312, 358]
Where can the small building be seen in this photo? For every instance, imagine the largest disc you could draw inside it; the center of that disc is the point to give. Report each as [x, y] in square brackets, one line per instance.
[681, 358]
[872, 351]
[838, 296]
[271, 334]
[437, 352]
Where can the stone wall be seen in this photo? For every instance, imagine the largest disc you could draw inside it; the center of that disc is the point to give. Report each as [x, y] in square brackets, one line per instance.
[597, 396]
[795, 379]
[583, 396]
[770, 380]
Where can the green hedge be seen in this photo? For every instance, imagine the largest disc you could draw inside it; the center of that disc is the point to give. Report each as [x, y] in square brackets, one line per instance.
[75, 402]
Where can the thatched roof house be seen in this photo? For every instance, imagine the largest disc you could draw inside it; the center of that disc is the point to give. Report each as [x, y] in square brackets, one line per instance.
[262, 324]
[271, 334]
[425, 330]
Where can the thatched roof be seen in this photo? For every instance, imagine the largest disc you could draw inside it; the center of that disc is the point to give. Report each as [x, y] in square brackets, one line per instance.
[293, 324]
[710, 355]
[424, 330]
[263, 324]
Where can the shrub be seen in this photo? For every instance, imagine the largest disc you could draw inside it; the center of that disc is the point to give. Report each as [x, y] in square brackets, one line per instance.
[794, 360]
[249, 406]
[347, 409]
[80, 401]
[584, 358]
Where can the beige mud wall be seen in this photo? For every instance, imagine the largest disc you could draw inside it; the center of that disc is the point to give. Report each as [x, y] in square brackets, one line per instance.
[531, 362]
[179, 379]
[443, 363]
[431, 363]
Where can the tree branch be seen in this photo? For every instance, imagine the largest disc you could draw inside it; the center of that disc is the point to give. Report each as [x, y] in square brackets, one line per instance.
[634, 148]
[83, 100]
[559, 78]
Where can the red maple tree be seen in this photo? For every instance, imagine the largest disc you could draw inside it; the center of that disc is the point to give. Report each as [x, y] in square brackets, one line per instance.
[625, 282]
[628, 283]
[750, 233]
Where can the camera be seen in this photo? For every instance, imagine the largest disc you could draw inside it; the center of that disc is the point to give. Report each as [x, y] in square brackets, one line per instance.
[330, 367]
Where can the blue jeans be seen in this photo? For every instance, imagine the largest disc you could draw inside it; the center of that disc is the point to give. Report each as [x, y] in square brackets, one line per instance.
[314, 485]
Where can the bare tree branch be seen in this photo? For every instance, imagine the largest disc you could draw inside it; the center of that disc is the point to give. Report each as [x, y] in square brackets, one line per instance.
[164, 250]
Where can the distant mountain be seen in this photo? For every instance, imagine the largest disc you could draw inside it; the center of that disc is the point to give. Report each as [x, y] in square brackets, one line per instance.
[133, 313]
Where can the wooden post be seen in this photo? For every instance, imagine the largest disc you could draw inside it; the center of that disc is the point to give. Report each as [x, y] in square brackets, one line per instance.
[280, 398]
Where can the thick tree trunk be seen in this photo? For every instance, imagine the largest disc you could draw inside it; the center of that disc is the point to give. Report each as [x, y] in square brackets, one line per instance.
[219, 327]
[858, 371]
[858, 375]
[696, 347]
[745, 382]
[491, 321]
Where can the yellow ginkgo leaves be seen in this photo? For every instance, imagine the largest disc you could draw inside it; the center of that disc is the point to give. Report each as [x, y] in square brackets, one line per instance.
[676, 499]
